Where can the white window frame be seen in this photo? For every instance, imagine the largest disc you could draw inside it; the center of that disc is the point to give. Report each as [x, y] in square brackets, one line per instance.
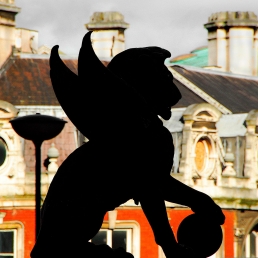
[128, 237]
[18, 229]
[133, 235]
[14, 254]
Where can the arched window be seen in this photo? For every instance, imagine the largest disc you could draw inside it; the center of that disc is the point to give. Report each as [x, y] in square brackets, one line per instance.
[3, 152]
[202, 153]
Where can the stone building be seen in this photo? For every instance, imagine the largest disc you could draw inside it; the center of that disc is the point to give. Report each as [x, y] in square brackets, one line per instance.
[217, 142]
[218, 138]
[232, 44]
[214, 127]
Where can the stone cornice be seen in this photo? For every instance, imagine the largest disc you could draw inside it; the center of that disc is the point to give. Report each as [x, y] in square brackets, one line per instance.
[9, 8]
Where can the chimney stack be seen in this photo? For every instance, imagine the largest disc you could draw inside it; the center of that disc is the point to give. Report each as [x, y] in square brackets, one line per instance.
[8, 11]
[233, 42]
[108, 37]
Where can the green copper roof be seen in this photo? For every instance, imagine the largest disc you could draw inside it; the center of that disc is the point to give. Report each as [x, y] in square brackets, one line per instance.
[197, 58]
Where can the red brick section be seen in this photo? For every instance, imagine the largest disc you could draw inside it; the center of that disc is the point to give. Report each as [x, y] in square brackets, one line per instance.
[148, 247]
[65, 143]
[27, 218]
[229, 233]
[178, 215]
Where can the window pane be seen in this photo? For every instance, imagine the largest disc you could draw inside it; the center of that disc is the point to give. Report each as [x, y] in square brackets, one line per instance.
[252, 244]
[6, 241]
[100, 238]
[119, 239]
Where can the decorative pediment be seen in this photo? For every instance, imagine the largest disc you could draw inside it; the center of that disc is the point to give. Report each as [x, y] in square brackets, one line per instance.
[202, 112]
[201, 117]
[7, 110]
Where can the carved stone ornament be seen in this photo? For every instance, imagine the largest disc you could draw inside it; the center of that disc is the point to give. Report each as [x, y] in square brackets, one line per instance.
[239, 232]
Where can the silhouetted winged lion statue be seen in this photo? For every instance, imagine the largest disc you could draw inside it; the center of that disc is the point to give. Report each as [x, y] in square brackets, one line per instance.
[129, 154]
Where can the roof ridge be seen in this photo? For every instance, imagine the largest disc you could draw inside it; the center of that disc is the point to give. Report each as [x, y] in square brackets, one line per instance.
[210, 71]
[45, 56]
[8, 62]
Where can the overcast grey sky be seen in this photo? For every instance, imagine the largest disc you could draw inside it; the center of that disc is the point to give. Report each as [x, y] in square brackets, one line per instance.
[174, 25]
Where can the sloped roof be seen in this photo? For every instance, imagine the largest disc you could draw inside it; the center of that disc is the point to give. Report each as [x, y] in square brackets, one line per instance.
[26, 81]
[188, 96]
[198, 58]
[237, 93]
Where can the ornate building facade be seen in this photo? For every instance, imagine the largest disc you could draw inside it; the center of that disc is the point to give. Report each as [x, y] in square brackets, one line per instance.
[214, 128]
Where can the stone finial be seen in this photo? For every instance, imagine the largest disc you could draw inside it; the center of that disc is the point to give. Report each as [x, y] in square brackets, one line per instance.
[229, 162]
[53, 151]
[239, 232]
[52, 154]
[229, 157]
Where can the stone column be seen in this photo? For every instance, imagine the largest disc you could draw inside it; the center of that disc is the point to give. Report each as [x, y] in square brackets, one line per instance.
[251, 151]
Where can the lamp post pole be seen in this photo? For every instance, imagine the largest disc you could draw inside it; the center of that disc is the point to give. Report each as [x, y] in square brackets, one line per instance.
[37, 128]
[38, 183]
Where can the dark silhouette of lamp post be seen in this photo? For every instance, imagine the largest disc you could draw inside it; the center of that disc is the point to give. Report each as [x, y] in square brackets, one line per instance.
[37, 128]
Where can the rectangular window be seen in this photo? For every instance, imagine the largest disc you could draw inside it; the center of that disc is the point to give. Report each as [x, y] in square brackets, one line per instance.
[126, 235]
[114, 238]
[7, 243]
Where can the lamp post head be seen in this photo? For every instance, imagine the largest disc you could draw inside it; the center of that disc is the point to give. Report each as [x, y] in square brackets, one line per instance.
[37, 128]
